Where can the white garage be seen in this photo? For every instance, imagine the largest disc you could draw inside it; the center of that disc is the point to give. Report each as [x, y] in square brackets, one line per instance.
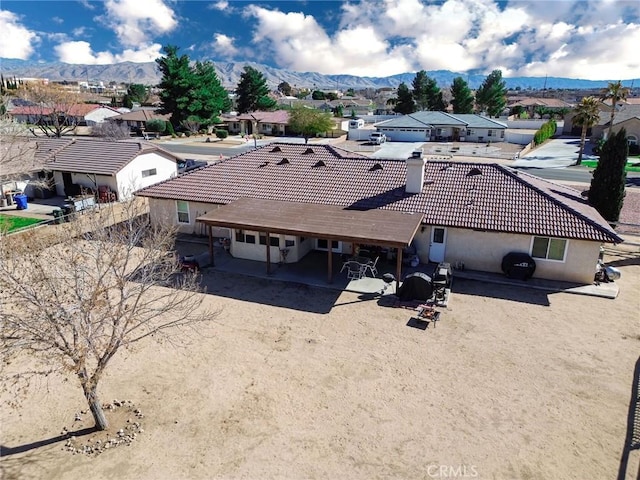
[406, 134]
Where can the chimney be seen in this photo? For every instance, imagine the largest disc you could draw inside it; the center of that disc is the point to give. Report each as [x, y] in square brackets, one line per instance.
[415, 172]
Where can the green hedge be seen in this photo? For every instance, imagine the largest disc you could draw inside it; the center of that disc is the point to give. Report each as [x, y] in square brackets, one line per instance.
[546, 131]
[222, 133]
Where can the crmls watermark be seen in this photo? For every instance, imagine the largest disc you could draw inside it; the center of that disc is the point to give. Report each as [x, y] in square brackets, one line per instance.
[452, 471]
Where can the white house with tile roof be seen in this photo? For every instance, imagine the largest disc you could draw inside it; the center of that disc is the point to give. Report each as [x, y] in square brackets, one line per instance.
[123, 166]
[429, 126]
[470, 213]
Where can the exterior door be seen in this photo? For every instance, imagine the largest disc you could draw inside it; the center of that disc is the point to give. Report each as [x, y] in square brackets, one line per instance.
[437, 244]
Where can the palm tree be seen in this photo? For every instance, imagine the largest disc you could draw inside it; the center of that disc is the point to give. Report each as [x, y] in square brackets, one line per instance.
[614, 92]
[587, 114]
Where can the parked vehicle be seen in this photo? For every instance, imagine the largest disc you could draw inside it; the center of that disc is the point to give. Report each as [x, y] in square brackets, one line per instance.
[189, 164]
[377, 138]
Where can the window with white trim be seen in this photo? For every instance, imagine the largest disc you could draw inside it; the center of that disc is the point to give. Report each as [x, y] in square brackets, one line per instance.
[490, 133]
[549, 248]
[149, 173]
[183, 211]
[240, 236]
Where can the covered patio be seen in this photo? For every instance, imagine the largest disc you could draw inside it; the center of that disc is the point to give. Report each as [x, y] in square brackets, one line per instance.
[385, 228]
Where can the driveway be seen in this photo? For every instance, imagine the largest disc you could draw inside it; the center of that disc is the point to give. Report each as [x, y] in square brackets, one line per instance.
[399, 150]
[556, 153]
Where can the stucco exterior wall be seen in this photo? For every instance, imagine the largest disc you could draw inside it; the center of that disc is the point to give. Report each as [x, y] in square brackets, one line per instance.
[99, 115]
[130, 177]
[484, 251]
[163, 211]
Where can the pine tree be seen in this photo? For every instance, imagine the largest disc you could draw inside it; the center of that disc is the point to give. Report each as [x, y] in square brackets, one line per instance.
[404, 102]
[492, 94]
[420, 92]
[190, 92]
[175, 85]
[208, 96]
[252, 92]
[462, 97]
[606, 194]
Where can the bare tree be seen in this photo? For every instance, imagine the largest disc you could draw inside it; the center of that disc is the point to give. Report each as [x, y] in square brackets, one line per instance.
[55, 108]
[111, 131]
[75, 294]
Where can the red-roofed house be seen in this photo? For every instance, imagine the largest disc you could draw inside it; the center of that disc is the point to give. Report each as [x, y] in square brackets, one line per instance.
[83, 114]
[302, 198]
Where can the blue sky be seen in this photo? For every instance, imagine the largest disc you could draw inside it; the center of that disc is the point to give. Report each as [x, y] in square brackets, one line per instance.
[590, 39]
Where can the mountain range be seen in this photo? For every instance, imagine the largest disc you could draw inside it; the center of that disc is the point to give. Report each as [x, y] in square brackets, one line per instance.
[229, 74]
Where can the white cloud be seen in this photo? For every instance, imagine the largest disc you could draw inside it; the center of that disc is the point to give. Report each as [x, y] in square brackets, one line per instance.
[593, 39]
[220, 5]
[81, 52]
[16, 40]
[135, 22]
[224, 45]
[78, 32]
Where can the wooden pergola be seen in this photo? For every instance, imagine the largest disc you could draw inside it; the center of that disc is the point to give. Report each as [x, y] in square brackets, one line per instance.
[384, 228]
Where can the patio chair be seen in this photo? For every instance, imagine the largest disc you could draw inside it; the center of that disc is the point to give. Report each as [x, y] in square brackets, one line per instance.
[355, 270]
[372, 267]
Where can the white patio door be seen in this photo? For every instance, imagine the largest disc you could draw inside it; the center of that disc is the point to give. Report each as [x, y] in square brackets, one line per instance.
[437, 244]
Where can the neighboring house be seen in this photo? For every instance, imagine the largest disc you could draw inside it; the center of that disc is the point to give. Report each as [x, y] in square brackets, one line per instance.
[627, 116]
[427, 126]
[531, 104]
[123, 166]
[83, 114]
[302, 198]
[266, 123]
[137, 120]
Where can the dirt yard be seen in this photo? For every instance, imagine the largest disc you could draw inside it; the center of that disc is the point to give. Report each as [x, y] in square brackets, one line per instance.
[290, 382]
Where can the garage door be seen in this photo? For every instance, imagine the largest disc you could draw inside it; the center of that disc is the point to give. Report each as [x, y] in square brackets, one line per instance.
[406, 136]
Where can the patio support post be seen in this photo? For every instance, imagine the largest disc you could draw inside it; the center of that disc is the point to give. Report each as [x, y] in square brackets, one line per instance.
[268, 247]
[330, 265]
[398, 268]
[211, 259]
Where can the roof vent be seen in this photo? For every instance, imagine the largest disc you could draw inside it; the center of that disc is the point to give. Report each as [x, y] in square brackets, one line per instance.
[319, 163]
[416, 153]
[375, 167]
[263, 164]
[474, 171]
[446, 167]
[276, 149]
[284, 161]
[308, 151]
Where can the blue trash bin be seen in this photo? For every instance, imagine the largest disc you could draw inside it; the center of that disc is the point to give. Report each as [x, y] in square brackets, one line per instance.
[21, 201]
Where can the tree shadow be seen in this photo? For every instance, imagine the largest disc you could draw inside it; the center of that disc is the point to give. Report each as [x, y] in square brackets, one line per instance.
[632, 440]
[6, 451]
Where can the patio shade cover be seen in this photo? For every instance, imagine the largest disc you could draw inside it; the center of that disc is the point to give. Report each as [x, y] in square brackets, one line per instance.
[387, 228]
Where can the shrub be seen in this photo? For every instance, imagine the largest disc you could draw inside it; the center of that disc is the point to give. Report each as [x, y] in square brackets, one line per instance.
[170, 129]
[156, 125]
[222, 134]
[546, 131]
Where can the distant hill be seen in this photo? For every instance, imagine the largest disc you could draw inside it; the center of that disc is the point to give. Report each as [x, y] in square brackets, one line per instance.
[229, 74]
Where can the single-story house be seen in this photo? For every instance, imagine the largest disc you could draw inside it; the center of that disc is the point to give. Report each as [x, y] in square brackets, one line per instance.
[137, 120]
[302, 198]
[266, 123]
[531, 104]
[122, 167]
[82, 113]
[627, 116]
[427, 126]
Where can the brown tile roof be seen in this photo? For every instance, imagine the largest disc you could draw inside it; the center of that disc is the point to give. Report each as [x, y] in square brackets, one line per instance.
[277, 116]
[142, 115]
[476, 196]
[90, 155]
